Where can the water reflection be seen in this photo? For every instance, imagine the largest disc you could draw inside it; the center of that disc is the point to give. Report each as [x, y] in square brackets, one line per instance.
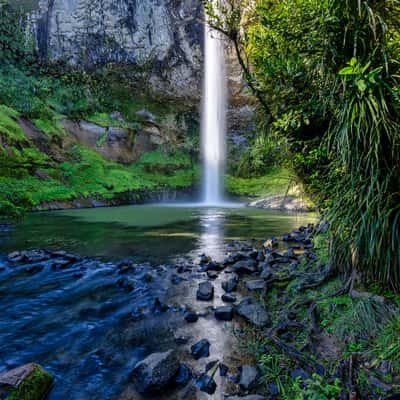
[211, 241]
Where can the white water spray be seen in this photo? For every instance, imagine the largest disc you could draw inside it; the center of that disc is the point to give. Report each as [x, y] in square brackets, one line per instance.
[214, 118]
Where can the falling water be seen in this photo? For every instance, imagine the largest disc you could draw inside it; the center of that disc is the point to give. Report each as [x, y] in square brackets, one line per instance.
[214, 118]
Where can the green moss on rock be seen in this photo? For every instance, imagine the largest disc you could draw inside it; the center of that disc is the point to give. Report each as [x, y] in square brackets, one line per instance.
[35, 385]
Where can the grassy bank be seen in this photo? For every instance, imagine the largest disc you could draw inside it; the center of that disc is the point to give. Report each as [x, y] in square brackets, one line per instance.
[338, 341]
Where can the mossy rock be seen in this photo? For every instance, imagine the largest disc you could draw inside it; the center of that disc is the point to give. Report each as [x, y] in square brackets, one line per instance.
[29, 382]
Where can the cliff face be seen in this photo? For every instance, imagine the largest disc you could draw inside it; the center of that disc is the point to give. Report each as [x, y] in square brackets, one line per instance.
[160, 39]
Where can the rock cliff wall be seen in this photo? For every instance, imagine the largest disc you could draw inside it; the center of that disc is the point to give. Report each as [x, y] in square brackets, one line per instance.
[160, 39]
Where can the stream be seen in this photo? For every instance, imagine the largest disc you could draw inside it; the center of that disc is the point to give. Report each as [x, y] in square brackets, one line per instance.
[91, 322]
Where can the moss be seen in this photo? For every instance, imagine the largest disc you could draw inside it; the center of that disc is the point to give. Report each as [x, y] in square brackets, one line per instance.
[103, 119]
[10, 130]
[52, 127]
[276, 182]
[35, 387]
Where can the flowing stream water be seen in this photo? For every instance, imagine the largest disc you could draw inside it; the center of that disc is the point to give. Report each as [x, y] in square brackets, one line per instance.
[81, 325]
[214, 118]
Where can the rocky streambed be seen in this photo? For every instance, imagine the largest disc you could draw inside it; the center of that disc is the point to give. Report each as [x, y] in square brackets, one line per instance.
[123, 330]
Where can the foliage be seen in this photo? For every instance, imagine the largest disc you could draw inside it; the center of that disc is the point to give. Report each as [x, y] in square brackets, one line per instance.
[276, 181]
[326, 74]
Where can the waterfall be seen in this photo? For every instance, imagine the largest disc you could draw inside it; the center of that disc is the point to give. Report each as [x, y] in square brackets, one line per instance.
[213, 129]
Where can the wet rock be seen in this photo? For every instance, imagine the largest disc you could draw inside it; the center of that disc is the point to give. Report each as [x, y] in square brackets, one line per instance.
[206, 384]
[2, 268]
[148, 277]
[260, 257]
[155, 371]
[191, 317]
[248, 397]
[78, 275]
[159, 307]
[258, 284]
[253, 254]
[15, 257]
[213, 266]
[176, 280]
[273, 389]
[211, 365]
[287, 237]
[223, 369]
[228, 298]
[224, 313]
[34, 269]
[266, 273]
[125, 266]
[181, 340]
[29, 382]
[200, 349]
[126, 284]
[184, 374]
[249, 375]
[212, 274]
[62, 263]
[245, 266]
[205, 292]
[230, 285]
[204, 259]
[137, 314]
[253, 312]
[299, 373]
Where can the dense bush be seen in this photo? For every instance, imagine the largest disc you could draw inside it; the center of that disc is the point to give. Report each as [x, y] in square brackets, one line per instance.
[326, 74]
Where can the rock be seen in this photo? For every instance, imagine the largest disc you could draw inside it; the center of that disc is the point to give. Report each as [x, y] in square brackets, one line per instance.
[206, 384]
[258, 284]
[181, 340]
[117, 115]
[211, 365]
[228, 298]
[213, 266]
[155, 371]
[200, 349]
[212, 274]
[245, 266]
[29, 382]
[159, 307]
[15, 257]
[205, 292]
[176, 280]
[204, 259]
[126, 284]
[230, 285]
[224, 313]
[184, 374]
[273, 389]
[299, 373]
[2, 268]
[147, 115]
[148, 277]
[191, 317]
[34, 269]
[223, 369]
[248, 397]
[249, 375]
[253, 312]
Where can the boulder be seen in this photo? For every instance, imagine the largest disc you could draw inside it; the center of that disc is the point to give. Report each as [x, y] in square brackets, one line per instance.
[258, 284]
[29, 382]
[200, 349]
[248, 266]
[230, 285]
[155, 371]
[191, 317]
[228, 298]
[253, 312]
[205, 292]
[224, 313]
[249, 375]
[206, 384]
[184, 374]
